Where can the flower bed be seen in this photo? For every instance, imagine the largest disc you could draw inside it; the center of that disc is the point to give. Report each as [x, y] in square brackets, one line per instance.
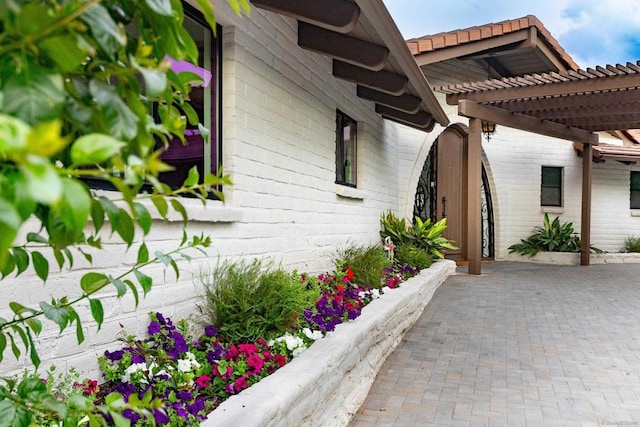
[326, 384]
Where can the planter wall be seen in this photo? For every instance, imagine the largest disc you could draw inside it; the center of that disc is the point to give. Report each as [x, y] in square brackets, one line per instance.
[564, 258]
[326, 384]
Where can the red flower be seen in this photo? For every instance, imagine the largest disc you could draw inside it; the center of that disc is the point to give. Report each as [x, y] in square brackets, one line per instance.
[203, 381]
[267, 355]
[340, 289]
[349, 273]
[280, 359]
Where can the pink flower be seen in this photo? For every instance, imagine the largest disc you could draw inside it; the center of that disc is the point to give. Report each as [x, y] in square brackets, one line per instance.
[232, 353]
[280, 359]
[247, 349]
[255, 362]
[203, 381]
[240, 384]
[224, 375]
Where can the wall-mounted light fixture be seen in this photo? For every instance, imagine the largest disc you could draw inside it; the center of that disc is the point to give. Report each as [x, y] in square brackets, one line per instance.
[488, 129]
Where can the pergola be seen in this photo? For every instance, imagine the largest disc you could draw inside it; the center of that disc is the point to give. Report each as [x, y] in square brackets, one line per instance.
[571, 106]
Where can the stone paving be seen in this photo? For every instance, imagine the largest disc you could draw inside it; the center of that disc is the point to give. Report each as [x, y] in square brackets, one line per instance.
[521, 345]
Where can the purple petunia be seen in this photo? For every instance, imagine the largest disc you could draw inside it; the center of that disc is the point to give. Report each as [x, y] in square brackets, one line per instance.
[114, 356]
[210, 331]
[179, 342]
[154, 328]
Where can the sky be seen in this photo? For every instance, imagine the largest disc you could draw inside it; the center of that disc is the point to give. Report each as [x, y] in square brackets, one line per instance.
[592, 32]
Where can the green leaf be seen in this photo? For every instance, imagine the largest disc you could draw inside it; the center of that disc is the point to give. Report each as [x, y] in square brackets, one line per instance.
[3, 346]
[145, 281]
[63, 50]
[43, 184]
[118, 118]
[92, 282]
[20, 310]
[134, 291]
[97, 215]
[175, 268]
[155, 80]
[161, 7]
[33, 93]
[59, 257]
[178, 207]
[125, 227]
[75, 206]
[32, 389]
[143, 217]
[97, 311]
[14, 348]
[207, 10]
[8, 263]
[143, 254]
[22, 335]
[120, 286]
[59, 315]
[41, 265]
[13, 136]
[192, 178]
[33, 352]
[161, 205]
[37, 238]
[13, 415]
[95, 148]
[79, 333]
[104, 29]
[54, 405]
[35, 324]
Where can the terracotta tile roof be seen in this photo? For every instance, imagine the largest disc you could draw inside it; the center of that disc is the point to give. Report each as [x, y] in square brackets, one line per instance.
[453, 38]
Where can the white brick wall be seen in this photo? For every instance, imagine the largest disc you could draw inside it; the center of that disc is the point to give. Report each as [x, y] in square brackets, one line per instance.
[278, 106]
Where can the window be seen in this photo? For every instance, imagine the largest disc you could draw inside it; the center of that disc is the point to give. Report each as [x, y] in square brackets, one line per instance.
[635, 190]
[346, 150]
[551, 189]
[197, 151]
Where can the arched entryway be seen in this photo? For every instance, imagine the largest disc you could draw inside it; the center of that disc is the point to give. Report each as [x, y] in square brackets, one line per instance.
[441, 192]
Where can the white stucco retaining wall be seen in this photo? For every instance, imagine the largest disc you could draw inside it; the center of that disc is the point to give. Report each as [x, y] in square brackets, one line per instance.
[564, 258]
[326, 384]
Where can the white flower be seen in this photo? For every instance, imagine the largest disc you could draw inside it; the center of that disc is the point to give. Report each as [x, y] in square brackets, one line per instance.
[375, 293]
[192, 358]
[184, 365]
[313, 335]
[135, 367]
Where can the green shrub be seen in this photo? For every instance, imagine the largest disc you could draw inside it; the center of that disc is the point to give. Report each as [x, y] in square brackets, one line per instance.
[551, 237]
[632, 244]
[412, 255]
[366, 261]
[248, 300]
[422, 234]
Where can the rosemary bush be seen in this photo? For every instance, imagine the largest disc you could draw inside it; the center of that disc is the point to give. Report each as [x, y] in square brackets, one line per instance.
[251, 300]
[413, 255]
[632, 244]
[366, 261]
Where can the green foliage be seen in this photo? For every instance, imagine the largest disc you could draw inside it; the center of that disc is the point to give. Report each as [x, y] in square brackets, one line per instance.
[63, 399]
[632, 244]
[412, 255]
[251, 300]
[422, 234]
[366, 261]
[551, 237]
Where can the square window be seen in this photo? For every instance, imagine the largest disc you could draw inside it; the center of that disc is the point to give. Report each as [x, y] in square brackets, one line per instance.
[346, 150]
[551, 187]
[635, 190]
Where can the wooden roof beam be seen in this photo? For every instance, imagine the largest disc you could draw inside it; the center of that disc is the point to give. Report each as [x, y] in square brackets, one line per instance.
[335, 15]
[406, 102]
[469, 108]
[421, 120]
[605, 99]
[385, 81]
[339, 46]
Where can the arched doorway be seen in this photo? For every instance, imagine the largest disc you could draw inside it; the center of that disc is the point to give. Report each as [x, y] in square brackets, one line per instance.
[441, 193]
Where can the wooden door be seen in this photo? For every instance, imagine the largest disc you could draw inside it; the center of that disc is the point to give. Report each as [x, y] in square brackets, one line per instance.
[450, 191]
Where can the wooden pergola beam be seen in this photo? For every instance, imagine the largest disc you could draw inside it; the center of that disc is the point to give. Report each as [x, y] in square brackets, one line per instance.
[469, 108]
[385, 81]
[569, 87]
[421, 119]
[596, 100]
[339, 46]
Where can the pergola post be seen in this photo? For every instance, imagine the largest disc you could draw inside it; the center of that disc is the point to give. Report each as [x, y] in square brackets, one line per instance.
[474, 187]
[585, 232]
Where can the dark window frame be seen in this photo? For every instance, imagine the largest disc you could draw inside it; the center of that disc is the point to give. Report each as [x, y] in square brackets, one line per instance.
[346, 157]
[215, 87]
[549, 189]
[634, 190]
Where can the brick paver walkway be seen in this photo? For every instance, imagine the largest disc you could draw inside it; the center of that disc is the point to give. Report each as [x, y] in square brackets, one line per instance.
[520, 345]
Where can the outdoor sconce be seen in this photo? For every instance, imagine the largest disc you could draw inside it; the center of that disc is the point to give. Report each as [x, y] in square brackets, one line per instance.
[488, 129]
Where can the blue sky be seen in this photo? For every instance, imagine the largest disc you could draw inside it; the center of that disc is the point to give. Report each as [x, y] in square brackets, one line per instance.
[593, 32]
